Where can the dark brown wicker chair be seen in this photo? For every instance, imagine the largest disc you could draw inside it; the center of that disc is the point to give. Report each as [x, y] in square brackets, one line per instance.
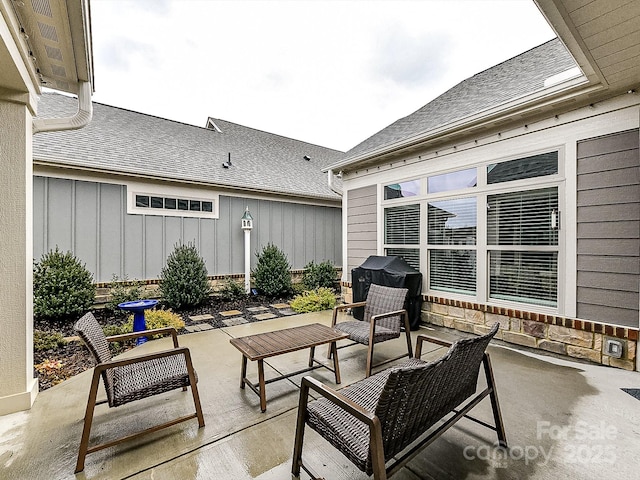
[400, 410]
[384, 317]
[133, 378]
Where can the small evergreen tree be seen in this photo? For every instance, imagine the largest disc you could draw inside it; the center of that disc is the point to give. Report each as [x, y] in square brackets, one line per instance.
[184, 280]
[318, 275]
[62, 286]
[272, 274]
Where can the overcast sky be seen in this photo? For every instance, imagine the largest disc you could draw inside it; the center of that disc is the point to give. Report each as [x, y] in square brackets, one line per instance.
[331, 73]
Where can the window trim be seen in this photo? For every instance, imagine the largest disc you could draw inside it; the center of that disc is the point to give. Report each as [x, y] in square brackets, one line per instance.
[481, 191]
[171, 192]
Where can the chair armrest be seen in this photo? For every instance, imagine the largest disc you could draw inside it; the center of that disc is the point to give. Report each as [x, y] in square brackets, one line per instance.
[380, 316]
[142, 358]
[340, 400]
[427, 338]
[344, 306]
[143, 333]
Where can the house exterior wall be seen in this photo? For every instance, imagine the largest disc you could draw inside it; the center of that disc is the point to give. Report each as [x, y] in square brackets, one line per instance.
[608, 235]
[559, 328]
[362, 226]
[90, 219]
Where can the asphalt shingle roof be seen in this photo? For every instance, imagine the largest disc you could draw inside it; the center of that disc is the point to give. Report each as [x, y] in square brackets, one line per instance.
[129, 142]
[507, 81]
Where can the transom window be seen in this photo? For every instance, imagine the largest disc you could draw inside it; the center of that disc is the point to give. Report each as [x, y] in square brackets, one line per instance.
[171, 203]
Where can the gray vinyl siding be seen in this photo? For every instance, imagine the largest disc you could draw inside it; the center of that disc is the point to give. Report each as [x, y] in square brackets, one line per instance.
[608, 229]
[90, 219]
[362, 226]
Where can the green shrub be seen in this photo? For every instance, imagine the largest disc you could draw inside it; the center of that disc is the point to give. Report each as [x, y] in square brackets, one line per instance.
[124, 290]
[231, 290]
[62, 286]
[272, 274]
[318, 275]
[184, 281]
[298, 288]
[43, 341]
[314, 300]
[156, 319]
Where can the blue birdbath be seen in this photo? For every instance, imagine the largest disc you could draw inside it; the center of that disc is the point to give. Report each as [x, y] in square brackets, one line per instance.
[138, 307]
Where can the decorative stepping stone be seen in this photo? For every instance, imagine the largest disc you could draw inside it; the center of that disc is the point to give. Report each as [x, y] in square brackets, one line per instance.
[200, 318]
[287, 311]
[264, 316]
[257, 309]
[280, 305]
[230, 322]
[230, 313]
[198, 328]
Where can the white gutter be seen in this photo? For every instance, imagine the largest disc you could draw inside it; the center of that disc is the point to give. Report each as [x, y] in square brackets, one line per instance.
[79, 120]
[332, 186]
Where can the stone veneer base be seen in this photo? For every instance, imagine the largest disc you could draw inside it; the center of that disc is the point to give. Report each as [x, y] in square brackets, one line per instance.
[575, 338]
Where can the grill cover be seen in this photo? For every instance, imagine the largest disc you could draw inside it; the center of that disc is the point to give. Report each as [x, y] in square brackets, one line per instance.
[388, 272]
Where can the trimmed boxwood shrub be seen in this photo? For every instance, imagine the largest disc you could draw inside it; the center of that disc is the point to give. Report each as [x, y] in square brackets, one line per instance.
[272, 274]
[318, 275]
[62, 287]
[184, 281]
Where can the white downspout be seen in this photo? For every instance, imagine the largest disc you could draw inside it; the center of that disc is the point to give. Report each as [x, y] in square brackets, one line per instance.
[332, 185]
[79, 120]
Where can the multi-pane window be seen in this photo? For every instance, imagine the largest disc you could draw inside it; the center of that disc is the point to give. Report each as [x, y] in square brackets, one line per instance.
[402, 233]
[490, 232]
[451, 240]
[156, 202]
[522, 240]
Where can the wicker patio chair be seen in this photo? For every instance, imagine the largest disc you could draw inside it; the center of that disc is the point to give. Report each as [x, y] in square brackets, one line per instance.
[399, 411]
[133, 378]
[384, 317]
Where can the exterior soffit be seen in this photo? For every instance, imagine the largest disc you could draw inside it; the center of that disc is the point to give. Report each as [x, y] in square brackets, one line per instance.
[54, 39]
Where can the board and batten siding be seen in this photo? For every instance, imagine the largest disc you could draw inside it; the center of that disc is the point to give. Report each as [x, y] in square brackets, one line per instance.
[608, 229]
[90, 219]
[362, 226]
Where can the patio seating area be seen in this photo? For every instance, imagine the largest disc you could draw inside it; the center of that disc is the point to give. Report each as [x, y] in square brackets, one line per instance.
[563, 419]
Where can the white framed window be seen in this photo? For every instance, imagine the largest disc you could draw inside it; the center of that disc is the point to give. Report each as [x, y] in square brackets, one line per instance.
[487, 233]
[171, 201]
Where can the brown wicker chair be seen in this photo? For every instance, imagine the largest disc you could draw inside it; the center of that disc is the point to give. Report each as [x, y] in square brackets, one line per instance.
[384, 317]
[133, 378]
[394, 413]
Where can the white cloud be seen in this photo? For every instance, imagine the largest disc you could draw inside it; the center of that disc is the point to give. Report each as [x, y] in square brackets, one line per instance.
[327, 72]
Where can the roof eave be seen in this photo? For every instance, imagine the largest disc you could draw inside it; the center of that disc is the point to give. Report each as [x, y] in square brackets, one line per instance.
[530, 104]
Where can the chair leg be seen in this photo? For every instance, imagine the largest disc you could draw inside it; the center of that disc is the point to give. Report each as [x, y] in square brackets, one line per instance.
[495, 405]
[88, 419]
[300, 424]
[194, 389]
[407, 331]
[377, 452]
[369, 358]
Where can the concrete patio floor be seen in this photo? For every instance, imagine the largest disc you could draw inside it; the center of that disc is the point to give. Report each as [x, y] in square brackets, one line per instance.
[563, 419]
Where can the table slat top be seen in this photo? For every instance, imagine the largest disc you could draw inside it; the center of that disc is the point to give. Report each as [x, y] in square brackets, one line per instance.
[269, 344]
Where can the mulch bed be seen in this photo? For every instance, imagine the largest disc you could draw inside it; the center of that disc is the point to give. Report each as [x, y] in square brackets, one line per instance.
[56, 365]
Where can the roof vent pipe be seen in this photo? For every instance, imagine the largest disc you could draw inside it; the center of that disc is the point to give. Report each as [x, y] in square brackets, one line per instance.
[79, 120]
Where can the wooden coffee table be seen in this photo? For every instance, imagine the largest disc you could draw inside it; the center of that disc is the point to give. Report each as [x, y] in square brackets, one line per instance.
[269, 344]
